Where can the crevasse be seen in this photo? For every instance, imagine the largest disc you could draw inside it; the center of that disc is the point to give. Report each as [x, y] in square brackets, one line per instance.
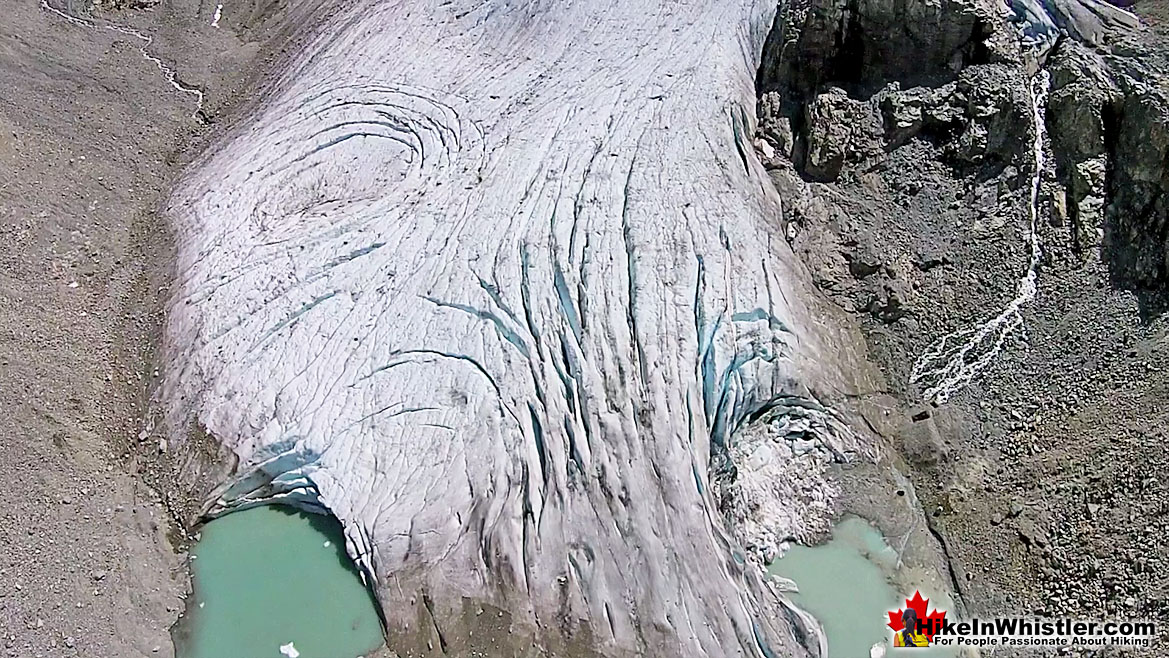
[499, 285]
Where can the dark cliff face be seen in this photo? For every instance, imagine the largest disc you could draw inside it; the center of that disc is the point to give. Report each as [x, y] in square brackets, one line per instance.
[1110, 133]
[1138, 210]
[907, 181]
[863, 44]
[858, 78]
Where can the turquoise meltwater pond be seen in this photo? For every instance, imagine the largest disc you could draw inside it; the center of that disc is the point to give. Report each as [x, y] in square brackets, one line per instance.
[270, 582]
[847, 584]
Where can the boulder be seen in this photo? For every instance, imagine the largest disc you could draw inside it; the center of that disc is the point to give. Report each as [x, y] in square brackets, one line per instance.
[837, 129]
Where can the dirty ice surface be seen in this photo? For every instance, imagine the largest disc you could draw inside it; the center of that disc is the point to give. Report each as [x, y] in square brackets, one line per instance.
[273, 582]
[497, 284]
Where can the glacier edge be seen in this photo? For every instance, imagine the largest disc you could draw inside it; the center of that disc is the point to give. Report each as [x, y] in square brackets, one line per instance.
[499, 286]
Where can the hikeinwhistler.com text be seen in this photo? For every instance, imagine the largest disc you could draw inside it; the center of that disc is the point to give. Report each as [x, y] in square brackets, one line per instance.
[1025, 632]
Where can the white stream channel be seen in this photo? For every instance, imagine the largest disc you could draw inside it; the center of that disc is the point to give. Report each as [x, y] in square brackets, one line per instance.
[144, 40]
[952, 362]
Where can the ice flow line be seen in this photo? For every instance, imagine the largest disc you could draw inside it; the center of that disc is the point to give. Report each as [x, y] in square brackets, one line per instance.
[951, 362]
[167, 72]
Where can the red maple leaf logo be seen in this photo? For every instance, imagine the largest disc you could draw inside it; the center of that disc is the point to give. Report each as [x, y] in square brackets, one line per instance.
[930, 623]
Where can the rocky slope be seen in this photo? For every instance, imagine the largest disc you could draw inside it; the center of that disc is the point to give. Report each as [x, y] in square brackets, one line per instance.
[92, 133]
[1028, 346]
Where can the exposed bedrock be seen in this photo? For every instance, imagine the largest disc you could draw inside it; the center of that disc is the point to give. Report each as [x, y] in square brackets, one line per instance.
[833, 97]
[851, 80]
[864, 43]
[1109, 122]
[501, 286]
[1138, 187]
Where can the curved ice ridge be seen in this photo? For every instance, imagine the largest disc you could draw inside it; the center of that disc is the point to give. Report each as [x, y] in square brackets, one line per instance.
[950, 363]
[500, 285]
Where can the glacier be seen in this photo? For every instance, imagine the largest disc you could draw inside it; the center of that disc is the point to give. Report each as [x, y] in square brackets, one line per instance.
[504, 287]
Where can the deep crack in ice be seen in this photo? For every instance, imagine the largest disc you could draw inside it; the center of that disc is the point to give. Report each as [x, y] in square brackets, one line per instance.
[500, 286]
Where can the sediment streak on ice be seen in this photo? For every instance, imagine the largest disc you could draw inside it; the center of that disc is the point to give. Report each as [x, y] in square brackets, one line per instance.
[497, 283]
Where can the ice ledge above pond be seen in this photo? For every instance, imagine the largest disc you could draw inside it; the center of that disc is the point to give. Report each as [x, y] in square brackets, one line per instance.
[500, 286]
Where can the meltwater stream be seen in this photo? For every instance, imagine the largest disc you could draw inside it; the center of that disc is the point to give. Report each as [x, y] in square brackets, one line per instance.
[952, 361]
[274, 582]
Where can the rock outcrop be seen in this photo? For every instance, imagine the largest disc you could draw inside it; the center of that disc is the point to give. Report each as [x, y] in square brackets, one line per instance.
[1109, 119]
[853, 78]
[1081, 89]
[1138, 189]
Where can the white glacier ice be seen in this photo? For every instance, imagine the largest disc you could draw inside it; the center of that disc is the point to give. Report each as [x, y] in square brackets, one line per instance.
[498, 284]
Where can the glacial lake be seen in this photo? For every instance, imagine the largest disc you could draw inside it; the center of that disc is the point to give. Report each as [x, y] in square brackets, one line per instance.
[847, 583]
[270, 577]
